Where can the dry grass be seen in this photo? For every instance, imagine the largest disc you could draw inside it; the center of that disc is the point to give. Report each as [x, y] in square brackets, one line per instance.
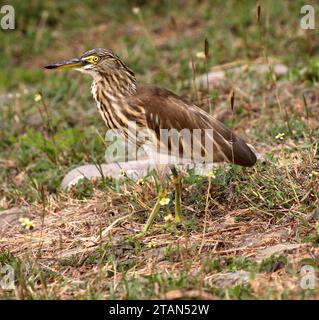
[67, 241]
[260, 225]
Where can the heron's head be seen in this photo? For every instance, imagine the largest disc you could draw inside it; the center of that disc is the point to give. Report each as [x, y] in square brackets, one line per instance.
[95, 62]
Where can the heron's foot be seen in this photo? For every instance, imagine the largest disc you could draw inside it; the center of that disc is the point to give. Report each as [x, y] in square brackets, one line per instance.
[155, 211]
[178, 219]
[139, 235]
[172, 221]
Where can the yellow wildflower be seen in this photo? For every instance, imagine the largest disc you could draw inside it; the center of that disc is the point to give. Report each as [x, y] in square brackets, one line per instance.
[29, 225]
[280, 136]
[122, 173]
[37, 97]
[200, 55]
[152, 243]
[26, 223]
[136, 10]
[140, 182]
[169, 218]
[313, 174]
[164, 201]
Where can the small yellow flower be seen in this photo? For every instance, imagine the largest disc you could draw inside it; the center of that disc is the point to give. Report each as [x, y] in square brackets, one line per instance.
[164, 201]
[26, 223]
[200, 55]
[313, 174]
[21, 220]
[211, 175]
[169, 218]
[29, 225]
[152, 243]
[140, 182]
[37, 97]
[280, 136]
[122, 173]
[136, 10]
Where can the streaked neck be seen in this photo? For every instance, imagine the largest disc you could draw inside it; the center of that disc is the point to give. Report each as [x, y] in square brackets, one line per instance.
[116, 85]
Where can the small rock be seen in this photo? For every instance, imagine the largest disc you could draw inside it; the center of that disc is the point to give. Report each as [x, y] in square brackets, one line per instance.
[224, 280]
[134, 170]
[9, 218]
[276, 249]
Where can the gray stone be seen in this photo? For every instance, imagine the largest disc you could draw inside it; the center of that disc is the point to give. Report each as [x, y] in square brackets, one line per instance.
[133, 169]
[9, 218]
[276, 249]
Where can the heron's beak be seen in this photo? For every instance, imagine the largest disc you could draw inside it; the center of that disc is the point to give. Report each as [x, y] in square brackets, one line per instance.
[72, 63]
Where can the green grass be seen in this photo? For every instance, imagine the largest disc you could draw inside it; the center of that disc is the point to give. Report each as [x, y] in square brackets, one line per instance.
[40, 141]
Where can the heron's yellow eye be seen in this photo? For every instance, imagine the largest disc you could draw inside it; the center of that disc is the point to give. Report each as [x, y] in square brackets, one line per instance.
[92, 59]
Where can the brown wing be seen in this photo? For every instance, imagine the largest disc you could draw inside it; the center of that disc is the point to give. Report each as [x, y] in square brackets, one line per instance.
[165, 110]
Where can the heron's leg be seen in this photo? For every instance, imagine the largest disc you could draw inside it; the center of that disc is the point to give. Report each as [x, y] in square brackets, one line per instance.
[154, 212]
[162, 192]
[178, 194]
